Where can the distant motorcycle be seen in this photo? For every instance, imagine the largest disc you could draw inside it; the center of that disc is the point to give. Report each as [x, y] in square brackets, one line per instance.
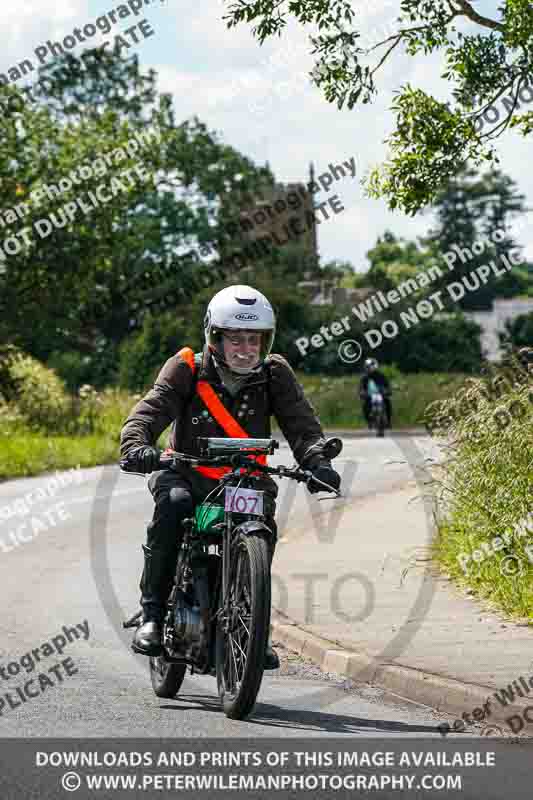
[218, 613]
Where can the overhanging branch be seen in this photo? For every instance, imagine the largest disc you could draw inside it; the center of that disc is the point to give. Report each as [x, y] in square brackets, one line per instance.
[473, 15]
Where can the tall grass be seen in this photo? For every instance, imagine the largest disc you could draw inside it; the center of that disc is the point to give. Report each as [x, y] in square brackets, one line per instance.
[486, 487]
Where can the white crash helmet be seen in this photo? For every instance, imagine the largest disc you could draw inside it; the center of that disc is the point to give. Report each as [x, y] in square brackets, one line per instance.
[238, 308]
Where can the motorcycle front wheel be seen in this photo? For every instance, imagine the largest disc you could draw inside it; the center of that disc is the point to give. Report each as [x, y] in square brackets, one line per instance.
[242, 629]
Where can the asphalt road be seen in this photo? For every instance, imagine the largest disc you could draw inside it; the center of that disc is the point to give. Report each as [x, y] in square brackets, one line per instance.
[77, 561]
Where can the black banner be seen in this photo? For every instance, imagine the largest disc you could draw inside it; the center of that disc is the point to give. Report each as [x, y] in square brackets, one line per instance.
[488, 769]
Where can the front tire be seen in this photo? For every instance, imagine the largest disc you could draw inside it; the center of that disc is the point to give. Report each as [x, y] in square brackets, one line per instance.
[166, 677]
[240, 652]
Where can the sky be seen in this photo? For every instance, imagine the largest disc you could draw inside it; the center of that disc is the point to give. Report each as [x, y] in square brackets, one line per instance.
[261, 100]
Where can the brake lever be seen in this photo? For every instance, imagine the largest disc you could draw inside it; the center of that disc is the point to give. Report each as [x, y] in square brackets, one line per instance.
[124, 464]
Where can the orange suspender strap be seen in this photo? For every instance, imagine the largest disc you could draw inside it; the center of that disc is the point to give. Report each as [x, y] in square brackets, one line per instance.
[215, 407]
[188, 356]
[230, 425]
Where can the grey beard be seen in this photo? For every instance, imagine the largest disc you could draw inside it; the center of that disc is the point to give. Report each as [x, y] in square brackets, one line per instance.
[232, 380]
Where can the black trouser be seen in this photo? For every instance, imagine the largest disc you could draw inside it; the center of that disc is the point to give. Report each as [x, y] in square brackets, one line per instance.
[175, 498]
[367, 406]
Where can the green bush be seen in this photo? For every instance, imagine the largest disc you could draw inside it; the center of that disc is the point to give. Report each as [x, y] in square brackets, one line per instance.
[10, 418]
[102, 413]
[34, 394]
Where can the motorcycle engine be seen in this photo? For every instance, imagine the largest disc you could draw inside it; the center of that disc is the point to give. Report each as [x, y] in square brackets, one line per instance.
[191, 616]
[187, 626]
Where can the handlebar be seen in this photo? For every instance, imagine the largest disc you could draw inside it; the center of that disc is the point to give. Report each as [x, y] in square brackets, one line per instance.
[239, 460]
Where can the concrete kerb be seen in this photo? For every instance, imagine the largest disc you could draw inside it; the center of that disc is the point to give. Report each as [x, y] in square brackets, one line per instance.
[446, 695]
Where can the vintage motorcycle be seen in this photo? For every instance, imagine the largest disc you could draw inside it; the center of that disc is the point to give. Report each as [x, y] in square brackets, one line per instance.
[218, 612]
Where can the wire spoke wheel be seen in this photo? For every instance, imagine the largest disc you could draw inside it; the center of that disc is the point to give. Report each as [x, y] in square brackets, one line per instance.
[243, 626]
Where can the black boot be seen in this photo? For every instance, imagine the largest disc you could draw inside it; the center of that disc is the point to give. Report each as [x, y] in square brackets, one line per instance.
[156, 583]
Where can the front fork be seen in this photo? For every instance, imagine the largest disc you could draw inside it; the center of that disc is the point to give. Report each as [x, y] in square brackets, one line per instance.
[226, 567]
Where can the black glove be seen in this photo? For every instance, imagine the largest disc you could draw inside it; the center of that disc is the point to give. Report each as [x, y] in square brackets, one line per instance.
[324, 472]
[145, 458]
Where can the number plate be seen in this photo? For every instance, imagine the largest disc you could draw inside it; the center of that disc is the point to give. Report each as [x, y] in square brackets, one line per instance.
[243, 501]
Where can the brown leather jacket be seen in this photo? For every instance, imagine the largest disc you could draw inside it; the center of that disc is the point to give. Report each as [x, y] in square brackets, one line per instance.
[273, 391]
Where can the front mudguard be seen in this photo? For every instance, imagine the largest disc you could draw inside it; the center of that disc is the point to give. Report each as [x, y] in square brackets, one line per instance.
[256, 527]
[253, 526]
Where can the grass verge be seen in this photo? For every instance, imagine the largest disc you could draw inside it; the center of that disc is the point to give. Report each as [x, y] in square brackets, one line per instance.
[26, 454]
[485, 542]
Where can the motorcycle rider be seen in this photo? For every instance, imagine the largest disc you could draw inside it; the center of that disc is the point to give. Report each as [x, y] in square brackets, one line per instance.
[235, 381]
[372, 373]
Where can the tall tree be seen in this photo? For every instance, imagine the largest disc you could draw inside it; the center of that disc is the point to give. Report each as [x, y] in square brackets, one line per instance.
[474, 217]
[488, 57]
[91, 281]
[393, 261]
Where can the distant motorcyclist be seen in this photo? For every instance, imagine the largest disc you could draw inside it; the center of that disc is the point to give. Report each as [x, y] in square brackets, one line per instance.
[373, 380]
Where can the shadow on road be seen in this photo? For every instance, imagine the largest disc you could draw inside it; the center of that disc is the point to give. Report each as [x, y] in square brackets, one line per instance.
[278, 717]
